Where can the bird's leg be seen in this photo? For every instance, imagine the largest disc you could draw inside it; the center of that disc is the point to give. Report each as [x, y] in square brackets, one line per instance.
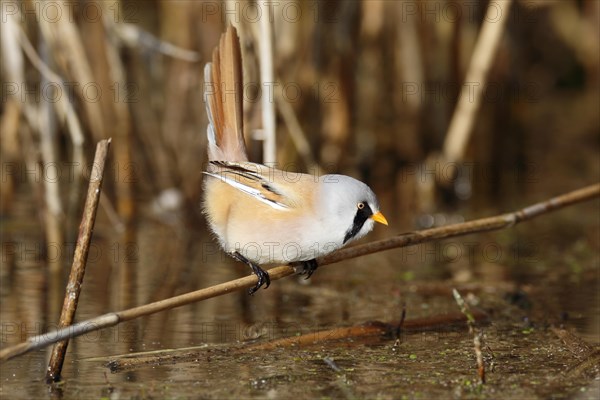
[309, 267]
[261, 274]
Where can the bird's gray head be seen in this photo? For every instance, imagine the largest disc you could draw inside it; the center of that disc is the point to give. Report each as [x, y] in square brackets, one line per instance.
[350, 207]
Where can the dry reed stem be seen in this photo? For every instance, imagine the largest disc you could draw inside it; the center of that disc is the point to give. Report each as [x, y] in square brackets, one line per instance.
[13, 71]
[477, 335]
[463, 119]
[64, 107]
[53, 214]
[79, 259]
[64, 38]
[44, 120]
[408, 239]
[296, 132]
[477, 339]
[374, 329]
[368, 329]
[135, 37]
[265, 46]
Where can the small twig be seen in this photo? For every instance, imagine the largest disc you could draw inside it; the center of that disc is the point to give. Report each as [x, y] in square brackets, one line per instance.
[464, 308]
[477, 335]
[477, 339]
[401, 323]
[80, 258]
[398, 329]
[408, 239]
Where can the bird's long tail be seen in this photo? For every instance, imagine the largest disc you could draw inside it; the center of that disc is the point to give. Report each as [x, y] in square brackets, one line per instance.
[223, 92]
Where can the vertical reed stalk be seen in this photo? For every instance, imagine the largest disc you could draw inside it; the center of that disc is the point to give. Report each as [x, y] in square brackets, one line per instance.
[80, 259]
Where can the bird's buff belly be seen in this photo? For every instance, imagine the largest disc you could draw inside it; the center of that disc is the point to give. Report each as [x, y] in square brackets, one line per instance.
[280, 249]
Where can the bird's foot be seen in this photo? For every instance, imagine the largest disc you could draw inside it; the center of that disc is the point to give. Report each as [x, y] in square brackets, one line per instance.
[263, 278]
[261, 274]
[308, 267]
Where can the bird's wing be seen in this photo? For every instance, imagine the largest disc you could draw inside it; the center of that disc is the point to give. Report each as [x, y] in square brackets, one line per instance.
[262, 183]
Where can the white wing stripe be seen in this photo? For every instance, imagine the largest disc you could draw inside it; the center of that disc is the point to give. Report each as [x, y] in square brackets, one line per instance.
[257, 194]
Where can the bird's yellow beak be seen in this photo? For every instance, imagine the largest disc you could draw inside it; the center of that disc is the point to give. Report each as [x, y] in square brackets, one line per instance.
[378, 217]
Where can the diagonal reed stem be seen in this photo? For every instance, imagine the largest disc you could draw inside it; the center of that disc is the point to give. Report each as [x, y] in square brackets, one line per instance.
[407, 239]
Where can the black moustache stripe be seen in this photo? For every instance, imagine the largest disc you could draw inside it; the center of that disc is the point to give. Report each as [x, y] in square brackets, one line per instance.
[359, 220]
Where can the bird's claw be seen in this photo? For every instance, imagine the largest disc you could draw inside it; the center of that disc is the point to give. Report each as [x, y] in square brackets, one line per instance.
[261, 274]
[309, 267]
[263, 278]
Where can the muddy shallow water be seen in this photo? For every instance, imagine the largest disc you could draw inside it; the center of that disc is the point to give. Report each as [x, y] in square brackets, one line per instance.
[539, 291]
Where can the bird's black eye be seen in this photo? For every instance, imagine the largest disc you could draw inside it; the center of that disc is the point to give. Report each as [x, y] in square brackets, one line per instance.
[360, 206]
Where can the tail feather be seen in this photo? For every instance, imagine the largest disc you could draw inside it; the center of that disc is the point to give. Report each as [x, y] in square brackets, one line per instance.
[223, 97]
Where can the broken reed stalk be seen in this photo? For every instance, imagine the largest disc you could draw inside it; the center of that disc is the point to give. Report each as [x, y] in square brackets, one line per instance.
[464, 308]
[407, 239]
[79, 259]
[477, 335]
[477, 339]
